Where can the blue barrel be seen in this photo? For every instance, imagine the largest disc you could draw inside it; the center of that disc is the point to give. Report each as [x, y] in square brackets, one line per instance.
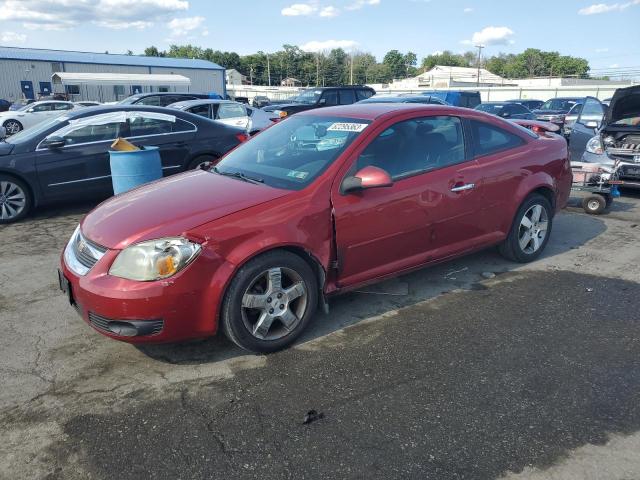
[132, 169]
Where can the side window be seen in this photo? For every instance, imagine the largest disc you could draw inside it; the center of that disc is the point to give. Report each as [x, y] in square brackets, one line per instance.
[62, 106]
[152, 100]
[362, 94]
[592, 111]
[230, 110]
[516, 109]
[488, 139]
[347, 97]
[415, 146]
[202, 110]
[140, 126]
[43, 107]
[330, 97]
[96, 132]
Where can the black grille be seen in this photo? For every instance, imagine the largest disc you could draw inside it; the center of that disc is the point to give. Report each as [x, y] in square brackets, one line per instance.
[84, 251]
[145, 327]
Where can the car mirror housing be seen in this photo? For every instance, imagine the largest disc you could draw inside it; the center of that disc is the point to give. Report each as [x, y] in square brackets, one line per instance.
[365, 178]
[591, 124]
[54, 142]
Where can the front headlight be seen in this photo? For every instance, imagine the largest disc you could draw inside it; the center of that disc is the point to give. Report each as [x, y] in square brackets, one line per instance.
[594, 145]
[154, 259]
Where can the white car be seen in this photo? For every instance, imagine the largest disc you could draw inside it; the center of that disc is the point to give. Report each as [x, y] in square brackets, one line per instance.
[232, 113]
[16, 120]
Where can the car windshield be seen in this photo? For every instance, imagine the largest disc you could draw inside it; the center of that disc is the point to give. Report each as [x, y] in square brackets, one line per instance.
[493, 108]
[562, 104]
[308, 97]
[35, 131]
[291, 154]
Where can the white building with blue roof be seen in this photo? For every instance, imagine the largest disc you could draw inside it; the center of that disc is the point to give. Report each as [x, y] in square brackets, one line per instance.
[27, 73]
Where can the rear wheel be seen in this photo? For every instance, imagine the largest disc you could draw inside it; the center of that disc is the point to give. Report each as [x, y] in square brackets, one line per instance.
[202, 161]
[12, 126]
[594, 204]
[270, 302]
[530, 231]
[15, 201]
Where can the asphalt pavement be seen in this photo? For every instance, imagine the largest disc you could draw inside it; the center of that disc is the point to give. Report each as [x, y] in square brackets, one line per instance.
[475, 369]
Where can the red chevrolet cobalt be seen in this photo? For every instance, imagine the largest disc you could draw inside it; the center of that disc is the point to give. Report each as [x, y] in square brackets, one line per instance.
[319, 204]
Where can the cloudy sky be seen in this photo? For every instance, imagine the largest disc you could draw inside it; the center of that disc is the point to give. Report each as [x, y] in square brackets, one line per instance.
[604, 33]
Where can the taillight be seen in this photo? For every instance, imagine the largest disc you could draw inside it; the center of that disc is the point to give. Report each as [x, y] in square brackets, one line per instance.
[242, 137]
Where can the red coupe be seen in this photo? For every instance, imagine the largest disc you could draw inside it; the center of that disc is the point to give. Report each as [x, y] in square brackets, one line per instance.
[321, 203]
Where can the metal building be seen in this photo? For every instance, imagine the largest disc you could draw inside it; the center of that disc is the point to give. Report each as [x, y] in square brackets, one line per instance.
[27, 72]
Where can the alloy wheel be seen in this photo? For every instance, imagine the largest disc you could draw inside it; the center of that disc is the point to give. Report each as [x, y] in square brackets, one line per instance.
[533, 229]
[274, 303]
[12, 127]
[12, 200]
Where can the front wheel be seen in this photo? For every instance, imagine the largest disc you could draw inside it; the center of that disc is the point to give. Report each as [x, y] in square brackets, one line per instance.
[12, 126]
[530, 231]
[15, 201]
[594, 204]
[270, 302]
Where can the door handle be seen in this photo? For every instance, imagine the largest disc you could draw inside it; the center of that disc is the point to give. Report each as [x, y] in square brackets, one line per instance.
[462, 188]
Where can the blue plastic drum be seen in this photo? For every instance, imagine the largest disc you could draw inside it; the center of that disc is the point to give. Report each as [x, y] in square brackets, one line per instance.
[132, 169]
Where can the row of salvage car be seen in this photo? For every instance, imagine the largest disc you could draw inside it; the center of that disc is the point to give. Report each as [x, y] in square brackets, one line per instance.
[64, 154]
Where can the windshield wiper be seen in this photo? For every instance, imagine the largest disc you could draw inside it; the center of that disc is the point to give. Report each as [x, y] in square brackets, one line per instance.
[239, 175]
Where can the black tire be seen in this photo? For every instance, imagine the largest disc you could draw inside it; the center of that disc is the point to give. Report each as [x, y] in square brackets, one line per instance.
[511, 248]
[594, 204]
[202, 160]
[12, 127]
[12, 209]
[233, 318]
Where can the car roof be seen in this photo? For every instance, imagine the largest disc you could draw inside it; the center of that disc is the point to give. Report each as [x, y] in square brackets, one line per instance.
[371, 111]
[518, 100]
[40, 102]
[84, 112]
[200, 101]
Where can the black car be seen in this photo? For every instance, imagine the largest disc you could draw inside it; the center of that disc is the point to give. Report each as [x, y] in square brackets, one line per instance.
[4, 105]
[512, 111]
[161, 99]
[405, 99]
[67, 157]
[555, 109]
[322, 97]
[527, 102]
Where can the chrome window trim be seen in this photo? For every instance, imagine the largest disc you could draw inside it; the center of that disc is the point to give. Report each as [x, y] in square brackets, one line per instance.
[195, 129]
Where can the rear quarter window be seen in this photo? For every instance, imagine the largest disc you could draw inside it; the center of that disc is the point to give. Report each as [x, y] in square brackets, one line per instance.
[489, 139]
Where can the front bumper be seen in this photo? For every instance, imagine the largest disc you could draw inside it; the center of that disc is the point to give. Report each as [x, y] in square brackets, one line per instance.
[182, 307]
[628, 172]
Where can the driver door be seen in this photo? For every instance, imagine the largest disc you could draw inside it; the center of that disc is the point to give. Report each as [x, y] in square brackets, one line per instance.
[585, 127]
[432, 210]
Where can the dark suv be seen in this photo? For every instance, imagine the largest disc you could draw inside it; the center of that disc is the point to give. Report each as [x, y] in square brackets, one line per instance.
[161, 99]
[322, 97]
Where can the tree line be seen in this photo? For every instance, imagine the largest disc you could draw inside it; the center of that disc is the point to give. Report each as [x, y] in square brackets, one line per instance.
[337, 67]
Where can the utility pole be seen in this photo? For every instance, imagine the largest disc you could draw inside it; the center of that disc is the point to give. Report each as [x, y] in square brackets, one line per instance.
[479, 47]
[268, 70]
[317, 69]
[351, 71]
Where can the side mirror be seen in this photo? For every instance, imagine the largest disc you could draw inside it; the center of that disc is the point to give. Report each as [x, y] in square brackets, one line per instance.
[322, 101]
[54, 142]
[591, 124]
[30, 110]
[505, 114]
[365, 178]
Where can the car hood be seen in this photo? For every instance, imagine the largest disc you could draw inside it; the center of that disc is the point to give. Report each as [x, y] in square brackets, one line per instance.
[5, 148]
[171, 207]
[624, 103]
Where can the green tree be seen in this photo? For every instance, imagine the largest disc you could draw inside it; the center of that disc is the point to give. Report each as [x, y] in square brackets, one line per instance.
[446, 58]
[394, 61]
[153, 52]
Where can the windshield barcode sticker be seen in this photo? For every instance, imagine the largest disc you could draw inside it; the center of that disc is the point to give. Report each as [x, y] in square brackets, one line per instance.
[347, 127]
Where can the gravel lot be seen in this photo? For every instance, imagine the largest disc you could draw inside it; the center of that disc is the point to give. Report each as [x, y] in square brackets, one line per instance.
[444, 373]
